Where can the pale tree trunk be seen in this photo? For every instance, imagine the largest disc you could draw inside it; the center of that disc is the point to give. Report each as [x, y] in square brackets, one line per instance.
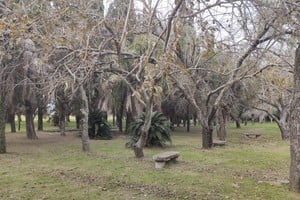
[283, 124]
[2, 126]
[30, 131]
[221, 124]
[138, 147]
[294, 126]
[84, 120]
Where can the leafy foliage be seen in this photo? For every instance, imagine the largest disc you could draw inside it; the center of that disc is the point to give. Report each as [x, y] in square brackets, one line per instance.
[159, 132]
[98, 126]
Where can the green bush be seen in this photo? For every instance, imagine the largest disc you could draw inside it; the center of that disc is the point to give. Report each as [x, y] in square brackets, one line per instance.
[98, 126]
[159, 132]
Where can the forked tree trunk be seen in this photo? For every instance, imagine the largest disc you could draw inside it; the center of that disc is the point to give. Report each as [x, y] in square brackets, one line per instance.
[2, 126]
[138, 147]
[30, 131]
[84, 120]
[294, 126]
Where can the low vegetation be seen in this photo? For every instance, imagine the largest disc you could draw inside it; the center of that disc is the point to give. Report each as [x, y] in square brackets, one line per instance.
[159, 132]
[54, 167]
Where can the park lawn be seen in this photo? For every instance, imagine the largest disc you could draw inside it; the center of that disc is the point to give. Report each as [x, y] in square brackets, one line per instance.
[54, 167]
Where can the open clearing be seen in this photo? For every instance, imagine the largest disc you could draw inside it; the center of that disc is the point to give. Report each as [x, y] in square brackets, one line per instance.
[54, 167]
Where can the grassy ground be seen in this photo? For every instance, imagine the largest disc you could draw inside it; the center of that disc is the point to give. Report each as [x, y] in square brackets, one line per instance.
[54, 167]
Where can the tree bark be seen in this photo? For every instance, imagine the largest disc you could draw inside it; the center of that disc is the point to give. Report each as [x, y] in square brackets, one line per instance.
[283, 124]
[84, 120]
[294, 126]
[129, 119]
[2, 126]
[284, 130]
[62, 123]
[29, 113]
[40, 118]
[207, 130]
[138, 147]
[221, 124]
[78, 119]
[237, 120]
[19, 121]
[11, 119]
[188, 118]
[207, 140]
[119, 121]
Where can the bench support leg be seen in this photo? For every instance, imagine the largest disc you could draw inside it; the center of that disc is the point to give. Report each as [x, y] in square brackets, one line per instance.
[160, 165]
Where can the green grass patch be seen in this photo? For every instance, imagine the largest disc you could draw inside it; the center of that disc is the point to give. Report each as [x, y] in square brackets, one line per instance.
[54, 167]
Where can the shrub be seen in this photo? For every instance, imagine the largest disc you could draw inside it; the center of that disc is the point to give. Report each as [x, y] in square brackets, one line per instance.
[98, 126]
[159, 132]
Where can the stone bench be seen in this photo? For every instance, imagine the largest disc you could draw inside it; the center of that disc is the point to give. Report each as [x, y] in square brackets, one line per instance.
[162, 158]
[251, 135]
[219, 143]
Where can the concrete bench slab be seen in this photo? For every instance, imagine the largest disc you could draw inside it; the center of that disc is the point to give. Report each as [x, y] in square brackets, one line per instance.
[219, 143]
[162, 158]
[251, 135]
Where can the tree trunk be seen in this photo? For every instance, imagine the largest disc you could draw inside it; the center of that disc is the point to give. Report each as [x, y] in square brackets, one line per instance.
[138, 147]
[2, 126]
[62, 123]
[238, 123]
[29, 113]
[78, 118]
[114, 118]
[12, 122]
[283, 123]
[19, 121]
[188, 118]
[221, 124]
[195, 119]
[40, 118]
[84, 121]
[119, 121]
[237, 120]
[294, 127]
[129, 119]
[207, 140]
[284, 130]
